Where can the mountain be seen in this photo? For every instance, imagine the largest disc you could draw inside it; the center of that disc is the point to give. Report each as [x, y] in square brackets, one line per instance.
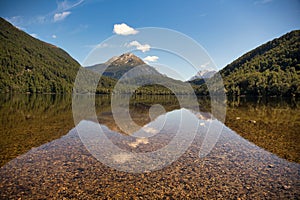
[201, 77]
[135, 72]
[204, 74]
[272, 69]
[117, 66]
[29, 65]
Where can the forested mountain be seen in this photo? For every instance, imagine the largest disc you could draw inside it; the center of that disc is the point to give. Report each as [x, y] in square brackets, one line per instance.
[272, 69]
[30, 65]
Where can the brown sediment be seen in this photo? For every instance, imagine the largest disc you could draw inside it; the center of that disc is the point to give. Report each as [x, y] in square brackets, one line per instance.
[272, 127]
[235, 169]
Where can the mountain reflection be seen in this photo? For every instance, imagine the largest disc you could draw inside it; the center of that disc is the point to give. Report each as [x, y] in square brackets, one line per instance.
[29, 121]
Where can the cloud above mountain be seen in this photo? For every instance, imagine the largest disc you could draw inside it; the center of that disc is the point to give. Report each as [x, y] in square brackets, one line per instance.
[139, 46]
[67, 5]
[124, 29]
[151, 58]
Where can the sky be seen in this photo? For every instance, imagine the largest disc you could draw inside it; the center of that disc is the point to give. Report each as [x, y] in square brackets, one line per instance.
[224, 29]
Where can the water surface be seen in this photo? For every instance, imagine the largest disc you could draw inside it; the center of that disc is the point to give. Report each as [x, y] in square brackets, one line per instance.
[234, 169]
[29, 121]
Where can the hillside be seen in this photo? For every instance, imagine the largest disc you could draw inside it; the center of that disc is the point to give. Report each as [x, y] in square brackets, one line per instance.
[272, 69]
[29, 65]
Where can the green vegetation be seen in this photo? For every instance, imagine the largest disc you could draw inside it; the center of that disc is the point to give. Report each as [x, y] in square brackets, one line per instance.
[272, 69]
[197, 81]
[155, 85]
[30, 65]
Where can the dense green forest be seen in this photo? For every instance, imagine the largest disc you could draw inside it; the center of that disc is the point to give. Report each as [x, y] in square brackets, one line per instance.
[272, 69]
[29, 65]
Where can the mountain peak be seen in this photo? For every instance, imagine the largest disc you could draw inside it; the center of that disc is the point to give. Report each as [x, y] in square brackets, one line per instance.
[204, 74]
[118, 66]
[126, 59]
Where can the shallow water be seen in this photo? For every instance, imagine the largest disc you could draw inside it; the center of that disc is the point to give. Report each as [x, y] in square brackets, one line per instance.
[273, 124]
[28, 121]
[64, 168]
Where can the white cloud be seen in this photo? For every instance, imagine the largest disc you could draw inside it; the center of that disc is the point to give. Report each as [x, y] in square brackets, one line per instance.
[124, 29]
[66, 5]
[61, 16]
[54, 36]
[34, 35]
[151, 58]
[205, 65]
[139, 46]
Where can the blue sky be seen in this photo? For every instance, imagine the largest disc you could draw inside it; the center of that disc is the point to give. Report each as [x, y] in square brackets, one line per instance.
[225, 29]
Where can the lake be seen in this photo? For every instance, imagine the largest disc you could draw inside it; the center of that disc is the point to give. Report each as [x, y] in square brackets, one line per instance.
[43, 156]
